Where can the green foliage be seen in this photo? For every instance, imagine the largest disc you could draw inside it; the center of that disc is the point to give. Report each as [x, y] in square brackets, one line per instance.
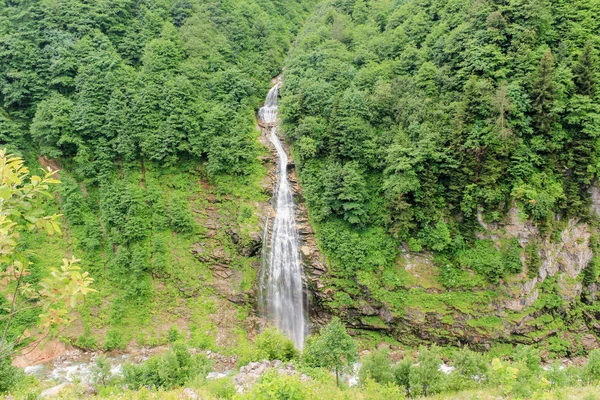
[332, 348]
[402, 373]
[591, 370]
[114, 340]
[533, 260]
[377, 367]
[101, 370]
[222, 388]
[471, 366]
[274, 345]
[173, 335]
[172, 369]
[426, 121]
[493, 263]
[425, 377]
[272, 385]
[9, 375]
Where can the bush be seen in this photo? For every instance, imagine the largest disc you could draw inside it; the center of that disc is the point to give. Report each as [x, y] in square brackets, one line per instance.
[591, 370]
[9, 375]
[86, 341]
[222, 388]
[377, 367]
[272, 385]
[558, 376]
[180, 215]
[425, 377]
[114, 340]
[101, 371]
[531, 359]
[173, 334]
[471, 368]
[274, 345]
[377, 391]
[172, 369]
[401, 373]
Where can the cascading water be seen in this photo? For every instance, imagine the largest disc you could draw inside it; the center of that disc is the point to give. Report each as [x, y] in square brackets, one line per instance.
[281, 294]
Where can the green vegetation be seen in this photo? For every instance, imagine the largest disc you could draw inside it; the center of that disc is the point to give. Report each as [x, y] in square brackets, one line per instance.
[20, 289]
[274, 345]
[430, 126]
[333, 348]
[147, 107]
[420, 131]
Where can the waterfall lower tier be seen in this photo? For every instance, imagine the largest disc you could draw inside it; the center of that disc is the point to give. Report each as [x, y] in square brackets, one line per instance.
[282, 299]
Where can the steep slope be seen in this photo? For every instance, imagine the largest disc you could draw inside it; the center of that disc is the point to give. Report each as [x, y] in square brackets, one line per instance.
[448, 152]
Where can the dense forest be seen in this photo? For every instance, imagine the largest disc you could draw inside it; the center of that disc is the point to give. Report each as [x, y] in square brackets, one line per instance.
[426, 126]
[447, 152]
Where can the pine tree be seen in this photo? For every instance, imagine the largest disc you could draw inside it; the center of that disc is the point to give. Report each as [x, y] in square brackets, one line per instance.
[543, 94]
[585, 71]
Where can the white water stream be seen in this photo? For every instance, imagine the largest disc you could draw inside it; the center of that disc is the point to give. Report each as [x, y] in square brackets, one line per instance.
[281, 294]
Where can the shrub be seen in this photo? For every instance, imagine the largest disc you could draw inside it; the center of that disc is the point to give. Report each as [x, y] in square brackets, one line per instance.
[222, 388]
[377, 391]
[471, 367]
[531, 359]
[377, 367]
[114, 340]
[532, 259]
[425, 377]
[401, 373]
[9, 375]
[173, 334]
[172, 369]
[272, 385]
[101, 371]
[591, 370]
[437, 237]
[86, 341]
[180, 215]
[274, 345]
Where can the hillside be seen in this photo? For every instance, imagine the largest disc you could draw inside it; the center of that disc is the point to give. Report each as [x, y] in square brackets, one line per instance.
[147, 108]
[448, 155]
[443, 165]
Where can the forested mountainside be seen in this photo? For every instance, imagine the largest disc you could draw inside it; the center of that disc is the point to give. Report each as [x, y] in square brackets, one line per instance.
[147, 107]
[448, 154]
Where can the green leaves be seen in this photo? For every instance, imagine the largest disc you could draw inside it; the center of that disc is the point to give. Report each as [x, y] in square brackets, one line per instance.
[66, 287]
[333, 348]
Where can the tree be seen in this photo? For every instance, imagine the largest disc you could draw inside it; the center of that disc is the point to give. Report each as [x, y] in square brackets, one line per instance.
[52, 127]
[585, 71]
[56, 294]
[360, 12]
[425, 376]
[377, 366]
[333, 348]
[543, 94]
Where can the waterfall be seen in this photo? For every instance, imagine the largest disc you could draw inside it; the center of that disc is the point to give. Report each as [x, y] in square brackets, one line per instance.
[281, 295]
